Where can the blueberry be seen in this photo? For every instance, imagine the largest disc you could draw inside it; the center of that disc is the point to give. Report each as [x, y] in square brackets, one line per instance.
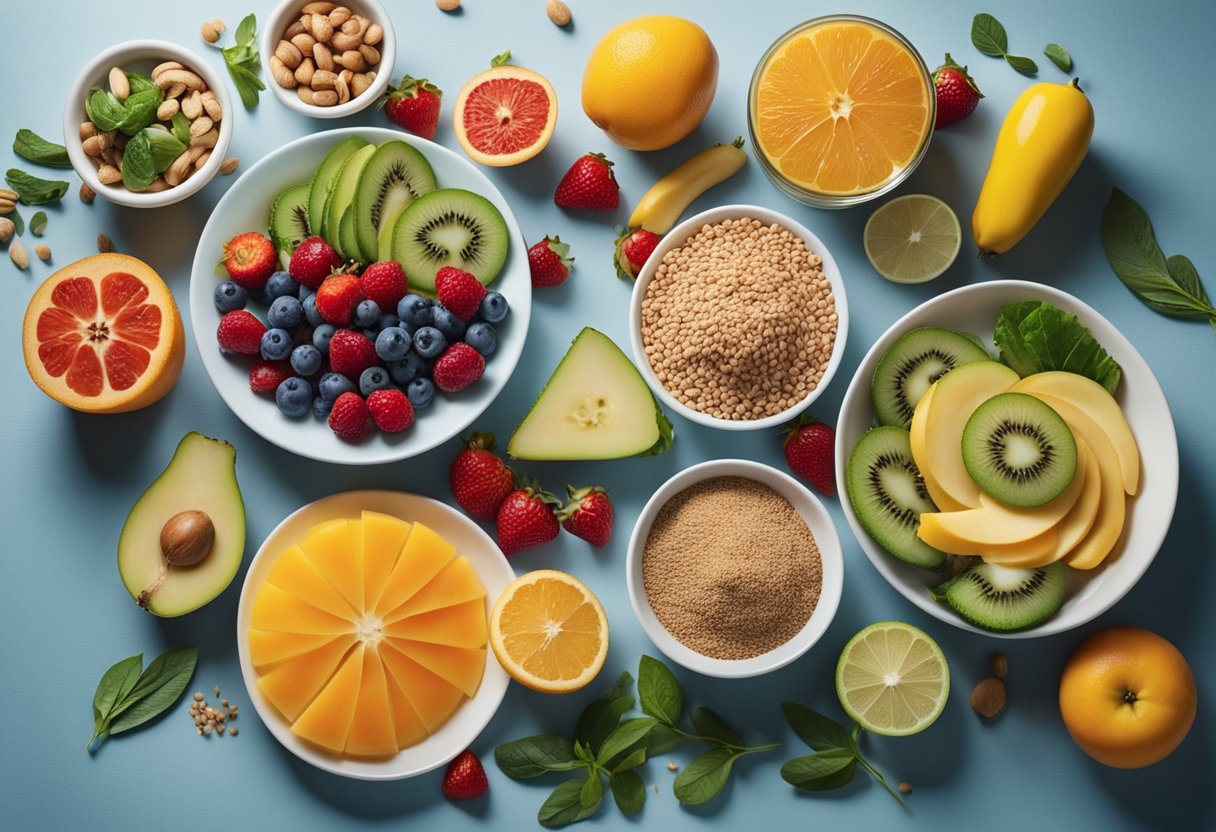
[369, 335]
[306, 359]
[321, 407]
[392, 344]
[276, 344]
[415, 310]
[367, 313]
[229, 296]
[280, 284]
[420, 392]
[387, 320]
[321, 337]
[482, 337]
[447, 323]
[285, 312]
[408, 369]
[257, 294]
[293, 396]
[306, 293]
[373, 379]
[429, 342]
[333, 385]
[310, 311]
[493, 307]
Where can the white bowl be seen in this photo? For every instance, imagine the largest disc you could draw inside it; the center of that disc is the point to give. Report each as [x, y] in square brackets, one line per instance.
[244, 208]
[491, 568]
[817, 519]
[142, 56]
[677, 237]
[974, 309]
[286, 13]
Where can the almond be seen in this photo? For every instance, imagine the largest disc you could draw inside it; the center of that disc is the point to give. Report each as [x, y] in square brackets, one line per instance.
[988, 698]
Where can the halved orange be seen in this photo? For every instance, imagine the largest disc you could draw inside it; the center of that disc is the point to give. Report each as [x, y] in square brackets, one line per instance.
[549, 632]
[842, 106]
[505, 115]
[103, 335]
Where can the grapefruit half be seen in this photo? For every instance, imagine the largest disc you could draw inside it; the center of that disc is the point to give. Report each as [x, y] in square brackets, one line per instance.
[505, 116]
[103, 335]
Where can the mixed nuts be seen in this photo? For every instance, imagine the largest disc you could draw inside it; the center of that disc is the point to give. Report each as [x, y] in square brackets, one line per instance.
[328, 56]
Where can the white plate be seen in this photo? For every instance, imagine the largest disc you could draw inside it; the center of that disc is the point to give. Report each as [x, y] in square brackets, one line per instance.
[246, 207]
[974, 309]
[492, 570]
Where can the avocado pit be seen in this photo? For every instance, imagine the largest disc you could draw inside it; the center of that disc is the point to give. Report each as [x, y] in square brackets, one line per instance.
[185, 540]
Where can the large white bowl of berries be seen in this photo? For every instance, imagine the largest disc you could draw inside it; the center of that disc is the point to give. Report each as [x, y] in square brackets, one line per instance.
[414, 371]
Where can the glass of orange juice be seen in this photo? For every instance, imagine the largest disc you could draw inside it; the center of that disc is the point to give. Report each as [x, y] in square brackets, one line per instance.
[840, 110]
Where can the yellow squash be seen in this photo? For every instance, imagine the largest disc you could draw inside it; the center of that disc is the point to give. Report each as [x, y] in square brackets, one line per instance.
[662, 205]
[1040, 146]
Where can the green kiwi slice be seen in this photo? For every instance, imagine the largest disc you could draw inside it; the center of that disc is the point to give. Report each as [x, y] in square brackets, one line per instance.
[910, 366]
[449, 227]
[1018, 450]
[1001, 598]
[393, 177]
[289, 224]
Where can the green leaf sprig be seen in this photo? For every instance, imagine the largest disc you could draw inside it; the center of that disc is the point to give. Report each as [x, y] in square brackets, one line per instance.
[1058, 56]
[244, 63]
[127, 697]
[837, 754]
[990, 38]
[33, 148]
[1170, 285]
[35, 191]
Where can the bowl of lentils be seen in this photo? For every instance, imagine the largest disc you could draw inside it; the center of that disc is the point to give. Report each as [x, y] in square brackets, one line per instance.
[739, 318]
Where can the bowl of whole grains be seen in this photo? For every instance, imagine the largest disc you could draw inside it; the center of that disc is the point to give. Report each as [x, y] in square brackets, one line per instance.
[734, 569]
[739, 318]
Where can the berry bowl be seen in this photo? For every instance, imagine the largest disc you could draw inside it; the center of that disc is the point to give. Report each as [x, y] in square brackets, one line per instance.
[1088, 594]
[244, 208]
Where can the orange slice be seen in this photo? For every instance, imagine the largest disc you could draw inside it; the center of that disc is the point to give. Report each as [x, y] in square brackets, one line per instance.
[549, 632]
[505, 115]
[842, 107]
[104, 335]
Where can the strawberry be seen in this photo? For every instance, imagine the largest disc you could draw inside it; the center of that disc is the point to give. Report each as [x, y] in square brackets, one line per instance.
[589, 183]
[588, 514]
[390, 410]
[265, 376]
[337, 298]
[348, 418]
[526, 518]
[809, 451]
[413, 105]
[632, 250]
[240, 331]
[312, 262]
[458, 367]
[250, 259]
[350, 353]
[957, 93]
[459, 291]
[465, 778]
[384, 283]
[480, 479]
[549, 262]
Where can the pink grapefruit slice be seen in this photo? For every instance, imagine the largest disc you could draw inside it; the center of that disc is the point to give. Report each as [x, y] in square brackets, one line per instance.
[505, 115]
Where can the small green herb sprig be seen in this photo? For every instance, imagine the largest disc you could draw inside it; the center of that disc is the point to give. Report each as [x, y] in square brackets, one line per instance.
[127, 696]
[244, 63]
[989, 37]
[1058, 56]
[33, 148]
[837, 754]
[35, 191]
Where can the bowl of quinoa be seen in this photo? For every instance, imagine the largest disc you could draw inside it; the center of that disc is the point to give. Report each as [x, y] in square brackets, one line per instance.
[739, 318]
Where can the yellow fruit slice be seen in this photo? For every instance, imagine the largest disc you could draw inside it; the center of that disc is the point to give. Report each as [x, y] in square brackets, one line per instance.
[424, 554]
[893, 679]
[383, 537]
[463, 625]
[912, 238]
[549, 632]
[433, 699]
[331, 547]
[268, 647]
[296, 575]
[455, 584]
[372, 733]
[290, 686]
[275, 609]
[326, 721]
[462, 666]
[406, 722]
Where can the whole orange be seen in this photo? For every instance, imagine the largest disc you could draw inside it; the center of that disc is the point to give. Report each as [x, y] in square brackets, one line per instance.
[1127, 697]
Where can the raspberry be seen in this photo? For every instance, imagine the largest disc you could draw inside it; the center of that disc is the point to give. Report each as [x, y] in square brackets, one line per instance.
[348, 418]
[265, 376]
[391, 410]
[459, 291]
[241, 332]
[384, 283]
[458, 367]
[350, 353]
[338, 297]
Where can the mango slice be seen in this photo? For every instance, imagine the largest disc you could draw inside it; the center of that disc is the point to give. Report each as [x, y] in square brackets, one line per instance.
[455, 584]
[296, 575]
[326, 721]
[425, 553]
[383, 538]
[331, 547]
[290, 686]
[462, 666]
[463, 625]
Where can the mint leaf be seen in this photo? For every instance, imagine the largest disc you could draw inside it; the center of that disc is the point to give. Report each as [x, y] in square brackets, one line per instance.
[629, 734]
[1059, 56]
[600, 718]
[1022, 65]
[116, 683]
[530, 757]
[244, 63]
[816, 730]
[563, 806]
[1035, 337]
[821, 772]
[1181, 270]
[159, 686]
[246, 30]
[35, 191]
[988, 35]
[702, 779]
[659, 691]
[33, 148]
[628, 791]
[710, 726]
[592, 792]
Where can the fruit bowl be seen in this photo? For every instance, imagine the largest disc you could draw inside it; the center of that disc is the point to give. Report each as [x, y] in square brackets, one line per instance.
[974, 309]
[244, 208]
[490, 567]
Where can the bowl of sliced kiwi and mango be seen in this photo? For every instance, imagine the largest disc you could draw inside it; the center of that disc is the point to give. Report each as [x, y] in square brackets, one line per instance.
[993, 480]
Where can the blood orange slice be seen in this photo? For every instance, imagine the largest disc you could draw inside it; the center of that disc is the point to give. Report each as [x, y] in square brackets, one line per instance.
[505, 116]
[104, 335]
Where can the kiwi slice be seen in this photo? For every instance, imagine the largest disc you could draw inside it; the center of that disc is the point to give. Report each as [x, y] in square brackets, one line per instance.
[289, 218]
[1018, 450]
[449, 227]
[393, 177]
[1000, 598]
[888, 495]
[323, 179]
[909, 366]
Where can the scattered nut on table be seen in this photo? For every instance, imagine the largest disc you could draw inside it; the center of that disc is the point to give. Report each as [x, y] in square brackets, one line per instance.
[558, 12]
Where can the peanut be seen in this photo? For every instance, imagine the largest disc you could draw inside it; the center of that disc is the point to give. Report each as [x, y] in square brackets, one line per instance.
[558, 12]
[7, 230]
[200, 125]
[351, 60]
[43, 251]
[108, 174]
[324, 57]
[325, 98]
[19, 256]
[168, 109]
[86, 193]
[321, 28]
[104, 244]
[289, 54]
[359, 84]
[95, 145]
[319, 8]
[304, 42]
[304, 71]
[283, 76]
[211, 106]
[120, 85]
[208, 32]
[229, 165]
[374, 34]
[354, 26]
[448, 5]
[170, 77]
[7, 206]
[87, 128]
[339, 16]
[305, 94]
[165, 67]
[370, 54]
[323, 79]
[192, 105]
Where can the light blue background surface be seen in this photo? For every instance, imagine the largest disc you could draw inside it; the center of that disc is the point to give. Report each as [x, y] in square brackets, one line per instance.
[70, 479]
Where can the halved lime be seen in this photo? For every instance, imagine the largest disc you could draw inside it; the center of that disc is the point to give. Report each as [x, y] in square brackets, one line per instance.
[912, 238]
[893, 679]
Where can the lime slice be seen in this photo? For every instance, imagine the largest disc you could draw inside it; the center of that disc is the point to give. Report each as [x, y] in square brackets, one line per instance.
[912, 238]
[893, 679]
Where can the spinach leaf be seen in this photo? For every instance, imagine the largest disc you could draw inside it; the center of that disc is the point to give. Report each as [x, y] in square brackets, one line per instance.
[1034, 337]
[530, 757]
[165, 148]
[628, 791]
[704, 777]
[659, 691]
[33, 148]
[138, 167]
[140, 82]
[35, 191]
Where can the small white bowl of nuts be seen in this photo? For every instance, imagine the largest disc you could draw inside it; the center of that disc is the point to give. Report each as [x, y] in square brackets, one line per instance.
[328, 60]
[146, 123]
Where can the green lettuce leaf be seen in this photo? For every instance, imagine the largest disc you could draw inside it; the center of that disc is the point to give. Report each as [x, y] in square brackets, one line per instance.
[1034, 337]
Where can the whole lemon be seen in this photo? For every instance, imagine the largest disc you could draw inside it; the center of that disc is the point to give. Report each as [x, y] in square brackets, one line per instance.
[650, 81]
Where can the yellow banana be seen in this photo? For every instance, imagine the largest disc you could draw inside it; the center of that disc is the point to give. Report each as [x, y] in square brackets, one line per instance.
[1041, 144]
[662, 205]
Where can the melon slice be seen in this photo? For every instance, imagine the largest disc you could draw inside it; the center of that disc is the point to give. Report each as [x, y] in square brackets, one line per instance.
[268, 647]
[383, 537]
[462, 666]
[433, 699]
[424, 555]
[455, 584]
[463, 625]
[275, 609]
[372, 733]
[406, 723]
[290, 686]
[331, 547]
[296, 575]
[326, 721]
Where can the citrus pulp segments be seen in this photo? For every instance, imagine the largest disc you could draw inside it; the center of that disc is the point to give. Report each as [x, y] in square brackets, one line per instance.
[327, 719]
[912, 238]
[505, 116]
[892, 679]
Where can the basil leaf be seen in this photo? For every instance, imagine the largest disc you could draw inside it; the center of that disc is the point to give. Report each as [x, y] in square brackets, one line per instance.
[592, 792]
[244, 62]
[1059, 56]
[988, 35]
[1022, 65]
[820, 772]
[35, 191]
[139, 110]
[530, 757]
[140, 82]
[159, 686]
[138, 167]
[633, 760]
[1184, 273]
[33, 148]
[816, 730]
[563, 806]
[115, 684]
[38, 223]
[624, 738]
[1034, 337]
[246, 82]
[180, 127]
[704, 777]
[710, 726]
[662, 739]
[165, 148]
[628, 791]
[600, 718]
[103, 109]
[246, 30]
[659, 691]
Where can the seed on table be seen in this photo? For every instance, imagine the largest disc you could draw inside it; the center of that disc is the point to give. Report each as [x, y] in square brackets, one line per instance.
[233, 731]
[18, 254]
[905, 787]
[448, 5]
[105, 245]
[1000, 665]
[208, 32]
[558, 12]
[7, 230]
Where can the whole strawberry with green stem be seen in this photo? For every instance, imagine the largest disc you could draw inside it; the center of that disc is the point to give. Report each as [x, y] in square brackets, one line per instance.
[414, 106]
[633, 248]
[480, 479]
[588, 514]
[810, 447]
[590, 183]
[957, 94]
[527, 518]
[550, 262]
